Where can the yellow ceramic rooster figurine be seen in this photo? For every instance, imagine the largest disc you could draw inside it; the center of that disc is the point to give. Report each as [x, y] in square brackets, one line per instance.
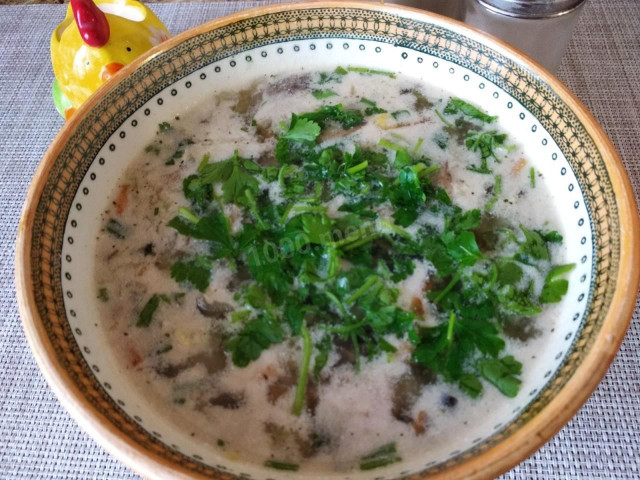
[94, 41]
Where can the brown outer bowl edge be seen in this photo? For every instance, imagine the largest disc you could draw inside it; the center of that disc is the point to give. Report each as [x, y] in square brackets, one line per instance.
[489, 464]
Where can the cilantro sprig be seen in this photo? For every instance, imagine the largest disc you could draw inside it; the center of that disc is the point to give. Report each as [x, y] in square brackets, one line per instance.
[337, 276]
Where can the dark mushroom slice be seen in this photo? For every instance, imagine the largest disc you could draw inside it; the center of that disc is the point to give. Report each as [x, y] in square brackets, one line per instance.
[214, 360]
[487, 234]
[214, 309]
[334, 132]
[248, 100]
[283, 383]
[263, 133]
[238, 278]
[287, 439]
[228, 400]
[405, 394]
[406, 391]
[345, 350]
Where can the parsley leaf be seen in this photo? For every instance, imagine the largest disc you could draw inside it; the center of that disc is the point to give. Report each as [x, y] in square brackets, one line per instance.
[256, 336]
[233, 190]
[196, 271]
[407, 197]
[554, 288]
[533, 248]
[214, 228]
[502, 374]
[266, 267]
[302, 129]
[456, 105]
[470, 385]
[317, 227]
[486, 143]
[200, 195]
[462, 247]
[236, 175]
[346, 118]
[446, 348]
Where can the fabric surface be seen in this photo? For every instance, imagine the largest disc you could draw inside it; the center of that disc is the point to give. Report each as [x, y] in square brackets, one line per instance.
[38, 440]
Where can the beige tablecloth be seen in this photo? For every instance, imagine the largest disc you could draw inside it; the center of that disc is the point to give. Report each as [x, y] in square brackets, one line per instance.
[38, 440]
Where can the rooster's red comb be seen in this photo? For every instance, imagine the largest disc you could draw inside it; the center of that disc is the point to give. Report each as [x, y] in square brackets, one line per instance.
[91, 21]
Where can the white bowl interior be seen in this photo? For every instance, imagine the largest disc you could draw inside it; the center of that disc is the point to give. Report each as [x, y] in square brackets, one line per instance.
[318, 55]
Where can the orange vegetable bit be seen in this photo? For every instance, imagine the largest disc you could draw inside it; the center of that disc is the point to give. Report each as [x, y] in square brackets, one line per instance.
[517, 168]
[122, 199]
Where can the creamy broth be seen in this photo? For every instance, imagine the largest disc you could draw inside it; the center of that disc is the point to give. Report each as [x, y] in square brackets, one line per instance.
[178, 350]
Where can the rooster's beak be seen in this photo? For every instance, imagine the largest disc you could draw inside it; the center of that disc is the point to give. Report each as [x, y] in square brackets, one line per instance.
[110, 70]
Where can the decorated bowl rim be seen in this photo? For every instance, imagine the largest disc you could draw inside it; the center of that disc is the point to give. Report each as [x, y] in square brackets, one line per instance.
[487, 464]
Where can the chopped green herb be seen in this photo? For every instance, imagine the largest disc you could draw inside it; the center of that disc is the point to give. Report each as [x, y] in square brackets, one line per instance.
[322, 94]
[256, 336]
[164, 349]
[301, 390]
[400, 113]
[290, 467]
[116, 229]
[372, 107]
[421, 103]
[322, 357]
[486, 143]
[346, 118]
[534, 247]
[196, 271]
[442, 140]
[444, 120]
[502, 373]
[164, 126]
[532, 177]
[497, 190]
[152, 148]
[457, 105]
[302, 129]
[103, 294]
[236, 174]
[179, 152]
[380, 457]
[555, 288]
[146, 315]
[306, 269]
[369, 71]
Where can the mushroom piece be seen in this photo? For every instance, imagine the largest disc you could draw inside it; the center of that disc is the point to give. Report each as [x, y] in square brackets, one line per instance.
[228, 400]
[214, 309]
[406, 391]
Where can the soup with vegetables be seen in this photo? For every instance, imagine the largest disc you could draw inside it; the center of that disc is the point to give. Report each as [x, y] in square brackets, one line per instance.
[329, 271]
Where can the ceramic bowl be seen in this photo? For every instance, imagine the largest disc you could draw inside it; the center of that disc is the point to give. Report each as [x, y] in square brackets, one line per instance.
[593, 197]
